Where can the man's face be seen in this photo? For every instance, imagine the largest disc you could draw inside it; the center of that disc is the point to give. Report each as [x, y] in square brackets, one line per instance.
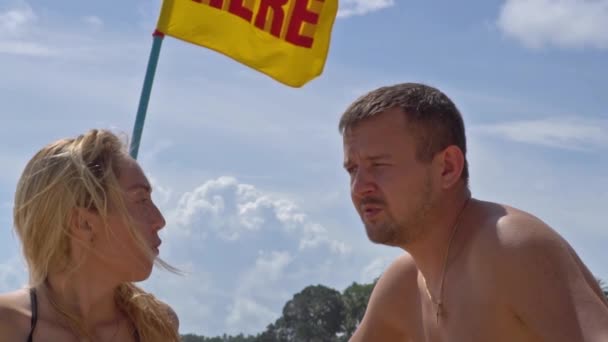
[391, 190]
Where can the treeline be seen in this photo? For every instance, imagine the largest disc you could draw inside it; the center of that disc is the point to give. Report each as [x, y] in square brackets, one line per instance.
[316, 314]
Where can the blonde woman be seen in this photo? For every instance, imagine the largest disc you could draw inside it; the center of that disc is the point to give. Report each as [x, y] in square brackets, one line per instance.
[89, 230]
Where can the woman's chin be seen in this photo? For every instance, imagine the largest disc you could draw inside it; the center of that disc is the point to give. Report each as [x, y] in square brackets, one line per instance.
[141, 271]
[141, 276]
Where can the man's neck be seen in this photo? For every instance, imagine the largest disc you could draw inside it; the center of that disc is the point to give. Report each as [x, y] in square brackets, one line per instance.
[429, 251]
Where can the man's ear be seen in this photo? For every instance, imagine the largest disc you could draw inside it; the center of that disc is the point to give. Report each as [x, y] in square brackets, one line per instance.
[449, 164]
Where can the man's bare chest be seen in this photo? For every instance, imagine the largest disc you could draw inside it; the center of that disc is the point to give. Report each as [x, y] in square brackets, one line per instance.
[469, 313]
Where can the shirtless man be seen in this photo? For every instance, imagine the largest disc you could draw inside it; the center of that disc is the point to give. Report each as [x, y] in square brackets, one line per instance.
[474, 271]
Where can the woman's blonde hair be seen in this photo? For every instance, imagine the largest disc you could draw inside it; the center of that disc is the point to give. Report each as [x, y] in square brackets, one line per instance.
[80, 173]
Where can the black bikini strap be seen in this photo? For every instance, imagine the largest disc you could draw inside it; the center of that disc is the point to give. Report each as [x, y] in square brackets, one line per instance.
[34, 304]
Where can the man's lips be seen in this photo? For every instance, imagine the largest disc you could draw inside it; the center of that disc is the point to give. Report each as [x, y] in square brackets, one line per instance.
[370, 211]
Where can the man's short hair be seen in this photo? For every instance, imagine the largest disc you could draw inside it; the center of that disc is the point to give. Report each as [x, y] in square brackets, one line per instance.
[433, 118]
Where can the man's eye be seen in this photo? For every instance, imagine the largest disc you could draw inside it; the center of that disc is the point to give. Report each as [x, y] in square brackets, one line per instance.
[351, 169]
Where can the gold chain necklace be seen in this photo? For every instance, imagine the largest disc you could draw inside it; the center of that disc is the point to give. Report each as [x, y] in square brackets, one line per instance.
[439, 303]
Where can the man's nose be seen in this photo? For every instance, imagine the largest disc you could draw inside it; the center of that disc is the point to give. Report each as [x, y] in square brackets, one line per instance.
[362, 183]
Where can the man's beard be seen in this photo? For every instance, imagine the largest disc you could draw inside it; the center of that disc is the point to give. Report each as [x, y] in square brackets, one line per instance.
[392, 232]
[384, 233]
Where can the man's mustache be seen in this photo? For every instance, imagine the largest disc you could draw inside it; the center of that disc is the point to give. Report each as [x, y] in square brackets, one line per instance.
[372, 200]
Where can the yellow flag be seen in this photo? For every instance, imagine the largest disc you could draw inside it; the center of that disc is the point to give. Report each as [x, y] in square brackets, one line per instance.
[287, 40]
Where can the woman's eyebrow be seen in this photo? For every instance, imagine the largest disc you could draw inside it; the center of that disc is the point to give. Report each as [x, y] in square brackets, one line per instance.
[140, 186]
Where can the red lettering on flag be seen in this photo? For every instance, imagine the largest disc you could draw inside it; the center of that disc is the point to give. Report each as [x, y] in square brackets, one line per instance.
[300, 15]
[277, 15]
[216, 3]
[237, 7]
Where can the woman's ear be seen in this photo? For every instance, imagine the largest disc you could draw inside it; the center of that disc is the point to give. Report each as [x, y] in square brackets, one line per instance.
[83, 224]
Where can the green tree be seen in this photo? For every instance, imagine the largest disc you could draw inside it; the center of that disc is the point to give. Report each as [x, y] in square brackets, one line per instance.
[270, 335]
[314, 315]
[355, 298]
[192, 338]
[223, 338]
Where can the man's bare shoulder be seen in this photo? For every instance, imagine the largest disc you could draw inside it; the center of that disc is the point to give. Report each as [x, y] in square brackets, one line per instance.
[504, 229]
[536, 273]
[398, 284]
[505, 235]
[518, 229]
[392, 301]
[401, 274]
[524, 243]
[508, 242]
[14, 315]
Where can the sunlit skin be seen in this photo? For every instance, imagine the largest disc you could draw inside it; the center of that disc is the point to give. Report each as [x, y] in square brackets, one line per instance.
[107, 259]
[112, 251]
[509, 276]
[391, 190]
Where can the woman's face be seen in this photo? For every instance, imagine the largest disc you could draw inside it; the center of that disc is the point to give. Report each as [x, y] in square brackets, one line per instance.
[118, 249]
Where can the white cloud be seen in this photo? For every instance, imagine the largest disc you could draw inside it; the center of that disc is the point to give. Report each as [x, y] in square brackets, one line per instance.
[26, 49]
[13, 274]
[190, 295]
[16, 27]
[17, 20]
[562, 23]
[560, 132]
[24, 32]
[350, 8]
[162, 195]
[251, 249]
[268, 268]
[229, 209]
[256, 286]
[248, 315]
[375, 268]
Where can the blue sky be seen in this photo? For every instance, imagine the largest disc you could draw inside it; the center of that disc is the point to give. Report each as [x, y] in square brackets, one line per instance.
[248, 171]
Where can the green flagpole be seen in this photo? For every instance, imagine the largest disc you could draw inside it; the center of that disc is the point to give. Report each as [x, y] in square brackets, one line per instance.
[145, 93]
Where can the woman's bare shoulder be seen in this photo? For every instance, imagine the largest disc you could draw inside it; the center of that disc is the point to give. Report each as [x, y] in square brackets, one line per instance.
[15, 315]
